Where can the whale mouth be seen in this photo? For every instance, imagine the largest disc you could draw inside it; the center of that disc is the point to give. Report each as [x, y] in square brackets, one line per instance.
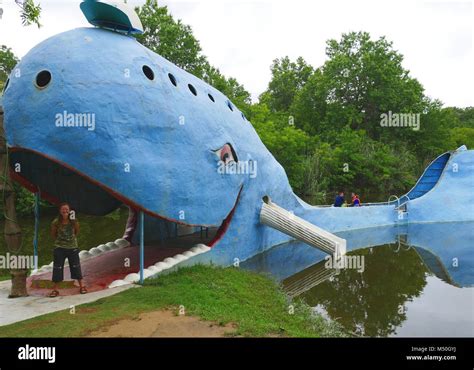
[58, 182]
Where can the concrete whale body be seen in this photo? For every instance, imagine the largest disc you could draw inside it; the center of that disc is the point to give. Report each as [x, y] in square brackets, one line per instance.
[154, 143]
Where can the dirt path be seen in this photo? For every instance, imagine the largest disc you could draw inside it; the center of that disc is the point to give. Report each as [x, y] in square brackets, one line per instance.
[164, 323]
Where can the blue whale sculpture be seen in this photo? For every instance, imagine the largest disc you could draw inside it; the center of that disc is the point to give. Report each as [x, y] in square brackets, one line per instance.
[94, 118]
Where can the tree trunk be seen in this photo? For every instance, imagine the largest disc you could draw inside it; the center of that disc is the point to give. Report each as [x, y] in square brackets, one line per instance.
[12, 229]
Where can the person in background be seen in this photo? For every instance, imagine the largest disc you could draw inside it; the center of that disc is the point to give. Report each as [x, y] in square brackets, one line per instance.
[64, 230]
[339, 201]
[355, 200]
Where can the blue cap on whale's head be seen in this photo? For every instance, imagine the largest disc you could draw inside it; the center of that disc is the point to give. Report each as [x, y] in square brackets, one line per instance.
[115, 16]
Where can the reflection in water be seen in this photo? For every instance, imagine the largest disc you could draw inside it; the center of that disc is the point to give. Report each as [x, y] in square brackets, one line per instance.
[308, 279]
[417, 280]
[369, 303]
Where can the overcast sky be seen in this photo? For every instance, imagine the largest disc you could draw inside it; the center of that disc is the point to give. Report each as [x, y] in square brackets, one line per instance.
[242, 38]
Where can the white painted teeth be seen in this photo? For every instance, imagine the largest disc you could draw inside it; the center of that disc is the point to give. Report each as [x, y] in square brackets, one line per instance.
[84, 254]
[95, 251]
[112, 245]
[102, 248]
[161, 266]
[131, 278]
[121, 243]
[118, 283]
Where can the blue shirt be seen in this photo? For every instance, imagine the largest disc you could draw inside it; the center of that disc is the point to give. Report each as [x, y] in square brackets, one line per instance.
[339, 201]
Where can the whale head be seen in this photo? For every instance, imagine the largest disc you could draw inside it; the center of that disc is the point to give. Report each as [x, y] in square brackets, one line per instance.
[94, 118]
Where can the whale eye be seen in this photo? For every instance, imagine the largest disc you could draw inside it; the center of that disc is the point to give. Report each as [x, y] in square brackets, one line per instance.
[148, 73]
[43, 79]
[226, 154]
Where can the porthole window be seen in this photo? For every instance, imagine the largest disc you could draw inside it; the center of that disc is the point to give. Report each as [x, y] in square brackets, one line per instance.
[43, 79]
[192, 89]
[148, 73]
[172, 79]
[229, 104]
[243, 116]
[211, 97]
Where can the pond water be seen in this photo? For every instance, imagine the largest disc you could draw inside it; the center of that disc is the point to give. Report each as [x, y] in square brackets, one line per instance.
[415, 280]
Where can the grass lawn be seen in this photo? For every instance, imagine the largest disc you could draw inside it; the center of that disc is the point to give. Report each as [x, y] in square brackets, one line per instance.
[252, 301]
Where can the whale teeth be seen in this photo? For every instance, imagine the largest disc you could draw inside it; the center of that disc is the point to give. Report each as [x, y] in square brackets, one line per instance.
[189, 254]
[153, 268]
[132, 278]
[200, 248]
[180, 257]
[147, 273]
[162, 265]
[102, 248]
[117, 283]
[170, 261]
[95, 251]
[110, 245]
[122, 243]
[84, 255]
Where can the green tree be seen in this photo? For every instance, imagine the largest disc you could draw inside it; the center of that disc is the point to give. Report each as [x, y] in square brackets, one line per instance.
[30, 12]
[463, 136]
[288, 144]
[229, 87]
[8, 61]
[464, 117]
[170, 38]
[287, 79]
[175, 41]
[361, 79]
[354, 162]
[434, 136]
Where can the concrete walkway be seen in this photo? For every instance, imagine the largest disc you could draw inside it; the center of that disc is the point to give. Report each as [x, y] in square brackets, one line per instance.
[19, 309]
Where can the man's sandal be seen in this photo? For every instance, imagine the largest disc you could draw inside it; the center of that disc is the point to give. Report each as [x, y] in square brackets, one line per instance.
[54, 293]
[83, 290]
